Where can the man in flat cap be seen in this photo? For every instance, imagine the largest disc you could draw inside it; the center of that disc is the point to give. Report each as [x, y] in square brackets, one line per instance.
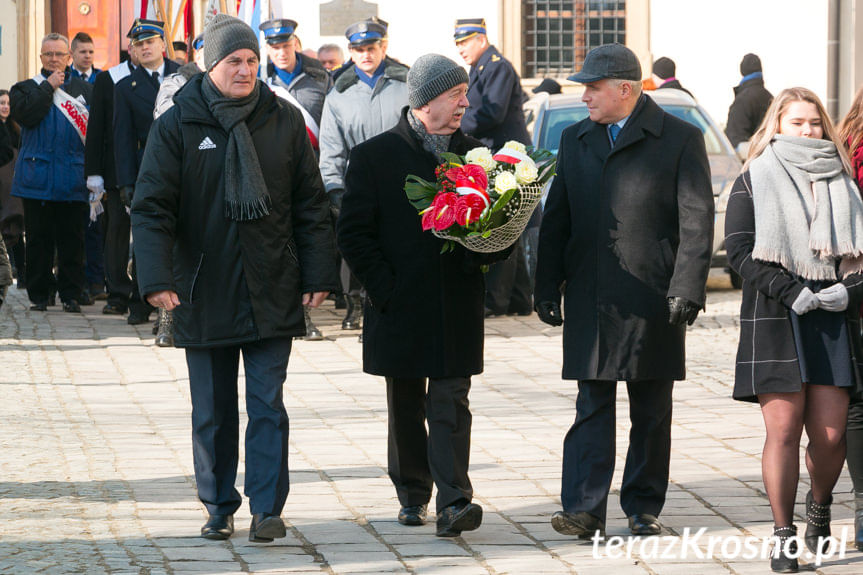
[366, 100]
[495, 117]
[304, 83]
[427, 363]
[232, 232]
[626, 234]
[134, 101]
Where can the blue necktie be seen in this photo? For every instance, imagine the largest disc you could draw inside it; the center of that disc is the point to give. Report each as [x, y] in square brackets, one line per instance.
[613, 131]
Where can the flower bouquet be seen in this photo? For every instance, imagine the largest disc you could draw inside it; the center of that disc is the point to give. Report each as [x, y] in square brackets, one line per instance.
[482, 201]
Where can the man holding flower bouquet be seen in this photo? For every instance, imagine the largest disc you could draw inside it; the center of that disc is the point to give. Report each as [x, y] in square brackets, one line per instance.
[424, 326]
[626, 238]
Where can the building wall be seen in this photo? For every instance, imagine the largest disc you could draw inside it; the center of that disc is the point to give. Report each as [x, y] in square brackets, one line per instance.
[790, 36]
[8, 43]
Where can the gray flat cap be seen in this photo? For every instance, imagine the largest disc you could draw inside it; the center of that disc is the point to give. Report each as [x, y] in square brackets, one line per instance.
[609, 61]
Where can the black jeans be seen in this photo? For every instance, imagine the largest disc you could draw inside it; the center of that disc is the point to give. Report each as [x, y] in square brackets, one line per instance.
[417, 458]
[589, 448]
[51, 226]
[117, 228]
[854, 444]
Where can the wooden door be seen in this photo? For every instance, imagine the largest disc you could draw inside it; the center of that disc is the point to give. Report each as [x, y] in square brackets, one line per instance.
[102, 19]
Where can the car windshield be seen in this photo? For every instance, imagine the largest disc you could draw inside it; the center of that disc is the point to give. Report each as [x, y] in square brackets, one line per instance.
[558, 119]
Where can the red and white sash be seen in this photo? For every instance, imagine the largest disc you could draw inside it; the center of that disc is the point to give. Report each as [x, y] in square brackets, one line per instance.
[311, 126]
[72, 109]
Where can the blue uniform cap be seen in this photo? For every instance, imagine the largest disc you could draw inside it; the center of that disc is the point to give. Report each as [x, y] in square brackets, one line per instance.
[365, 32]
[142, 29]
[278, 30]
[467, 27]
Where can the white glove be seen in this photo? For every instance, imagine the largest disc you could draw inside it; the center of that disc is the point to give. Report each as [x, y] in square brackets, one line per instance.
[95, 209]
[96, 185]
[805, 302]
[833, 298]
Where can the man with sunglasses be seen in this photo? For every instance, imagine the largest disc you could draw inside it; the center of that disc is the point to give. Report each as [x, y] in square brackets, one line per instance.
[52, 109]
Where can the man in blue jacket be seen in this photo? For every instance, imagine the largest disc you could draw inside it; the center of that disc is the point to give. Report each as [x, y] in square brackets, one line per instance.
[52, 110]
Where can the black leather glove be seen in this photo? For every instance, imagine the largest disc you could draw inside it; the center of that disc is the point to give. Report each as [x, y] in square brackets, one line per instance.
[682, 310]
[126, 193]
[549, 312]
[335, 196]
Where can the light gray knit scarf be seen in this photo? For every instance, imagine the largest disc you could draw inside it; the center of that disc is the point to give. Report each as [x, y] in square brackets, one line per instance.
[246, 195]
[808, 212]
[434, 143]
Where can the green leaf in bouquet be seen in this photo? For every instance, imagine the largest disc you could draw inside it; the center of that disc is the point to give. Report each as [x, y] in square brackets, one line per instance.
[486, 234]
[502, 200]
[420, 193]
[452, 158]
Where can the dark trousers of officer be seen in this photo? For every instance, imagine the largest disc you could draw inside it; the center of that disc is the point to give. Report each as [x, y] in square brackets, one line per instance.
[94, 243]
[417, 458]
[508, 284]
[215, 425]
[589, 448]
[854, 439]
[54, 226]
[117, 229]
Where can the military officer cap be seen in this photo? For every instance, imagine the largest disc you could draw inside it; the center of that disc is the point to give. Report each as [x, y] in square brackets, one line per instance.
[278, 30]
[143, 29]
[366, 32]
[468, 27]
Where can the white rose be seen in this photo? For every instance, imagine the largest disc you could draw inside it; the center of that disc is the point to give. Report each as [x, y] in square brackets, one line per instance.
[481, 157]
[517, 146]
[526, 172]
[504, 182]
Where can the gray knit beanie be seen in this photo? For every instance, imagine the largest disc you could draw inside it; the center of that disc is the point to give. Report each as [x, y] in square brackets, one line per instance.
[430, 76]
[225, 34]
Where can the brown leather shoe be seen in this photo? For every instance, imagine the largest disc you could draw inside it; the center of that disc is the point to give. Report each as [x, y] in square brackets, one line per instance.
[582, 524]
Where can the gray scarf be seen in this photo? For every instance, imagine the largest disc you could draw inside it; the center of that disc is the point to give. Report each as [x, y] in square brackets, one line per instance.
[434, 143]
[808, 212]
[246, 195]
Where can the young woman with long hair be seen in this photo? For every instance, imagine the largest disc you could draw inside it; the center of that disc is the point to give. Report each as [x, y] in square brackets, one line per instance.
[794, 233]
[851, 134]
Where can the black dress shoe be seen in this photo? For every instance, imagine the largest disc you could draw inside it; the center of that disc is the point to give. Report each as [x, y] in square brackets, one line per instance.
[582, 524]
[113, 309]
[71, 306]
[266, 527]
[644, 524]
[218, 527]
[137, 317]
[454, 519]
[39, 306]
[413, 515]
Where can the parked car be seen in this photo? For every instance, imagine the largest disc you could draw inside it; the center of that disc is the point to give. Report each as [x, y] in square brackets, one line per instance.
[548, 115]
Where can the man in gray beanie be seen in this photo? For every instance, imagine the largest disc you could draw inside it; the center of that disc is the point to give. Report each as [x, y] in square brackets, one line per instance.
[424, 323]
[232, 232]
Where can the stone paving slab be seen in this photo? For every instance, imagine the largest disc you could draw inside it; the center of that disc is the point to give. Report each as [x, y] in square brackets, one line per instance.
[96, 468]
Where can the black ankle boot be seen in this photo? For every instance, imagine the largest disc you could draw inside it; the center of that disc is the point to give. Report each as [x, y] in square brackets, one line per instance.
[784, 547]
[858, 520]
[817, 524]
[354, 317]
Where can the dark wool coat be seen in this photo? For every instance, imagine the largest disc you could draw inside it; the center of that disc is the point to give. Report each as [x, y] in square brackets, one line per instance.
[424, 317]
[624, 229]
[99, 148]
[767, 356]
[237, 281]
[675, 85]
[751, 100]
[495, 115]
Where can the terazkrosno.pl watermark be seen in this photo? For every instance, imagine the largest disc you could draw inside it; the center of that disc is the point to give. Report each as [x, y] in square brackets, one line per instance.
[697, 545]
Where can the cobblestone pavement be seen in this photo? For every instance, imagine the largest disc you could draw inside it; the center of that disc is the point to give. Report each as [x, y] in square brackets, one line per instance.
[95, 453]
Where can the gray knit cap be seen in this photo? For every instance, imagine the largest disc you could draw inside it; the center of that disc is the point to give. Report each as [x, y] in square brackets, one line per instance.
[225, 34]
[430, 76]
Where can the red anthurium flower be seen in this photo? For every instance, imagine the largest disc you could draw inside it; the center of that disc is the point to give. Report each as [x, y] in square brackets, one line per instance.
[443, 207]
[428, 219]
[477, 174]
[455, 173]
[468, 209]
